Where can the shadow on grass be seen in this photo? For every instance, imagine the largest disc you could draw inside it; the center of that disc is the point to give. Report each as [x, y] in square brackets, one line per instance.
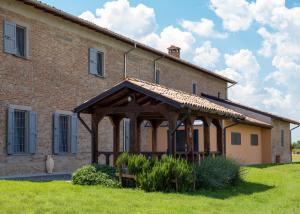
[262, 166]
[243, 188]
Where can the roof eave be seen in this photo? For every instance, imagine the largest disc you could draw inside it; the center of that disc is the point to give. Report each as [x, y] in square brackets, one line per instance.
[77, 20]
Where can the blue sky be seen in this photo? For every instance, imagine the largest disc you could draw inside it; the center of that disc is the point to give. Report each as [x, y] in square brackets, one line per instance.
[256, 43]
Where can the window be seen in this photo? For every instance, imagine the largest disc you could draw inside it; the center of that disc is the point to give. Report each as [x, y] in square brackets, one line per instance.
[254, 139]
[14, 39]
[96, 62]
[194, 88]
[157, 76]
[20, 136]
[64, 133]
[219, 95]
[282, 138]
[235, 138]
[21, 131]
[64, 136]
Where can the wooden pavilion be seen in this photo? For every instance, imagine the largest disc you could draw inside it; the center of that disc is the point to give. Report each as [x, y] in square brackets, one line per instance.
[139, 101]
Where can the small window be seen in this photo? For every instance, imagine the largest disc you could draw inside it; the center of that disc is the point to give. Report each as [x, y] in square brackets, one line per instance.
[282, 138]
[14, 39]
[219, 95]
[96, 62]
[21, 131]
[235, 138]
[254, 139]
[194, 88]
[65, 133]
[157, 76]
[20, 41]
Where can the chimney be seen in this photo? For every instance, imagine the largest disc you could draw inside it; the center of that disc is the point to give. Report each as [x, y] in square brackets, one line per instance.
[174, 51]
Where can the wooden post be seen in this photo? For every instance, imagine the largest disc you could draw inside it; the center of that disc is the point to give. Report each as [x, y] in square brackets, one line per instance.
[189, 131]
[172, 119]
[116, 137]
[219, 127]
[206, 130]
[155, 124]
[138, 135]
[133, 147]
[94, 148]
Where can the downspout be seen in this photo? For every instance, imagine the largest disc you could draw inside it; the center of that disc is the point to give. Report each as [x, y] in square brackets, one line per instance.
[154, 62]
[231, 125]
[125, 60]
[291, 139]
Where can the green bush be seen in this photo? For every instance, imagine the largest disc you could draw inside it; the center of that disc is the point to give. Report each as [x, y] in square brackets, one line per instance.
[217, 173]
[167, 175]
[95, 175]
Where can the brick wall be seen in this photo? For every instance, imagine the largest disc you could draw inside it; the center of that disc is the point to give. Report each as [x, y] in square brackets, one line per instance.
[55, 77]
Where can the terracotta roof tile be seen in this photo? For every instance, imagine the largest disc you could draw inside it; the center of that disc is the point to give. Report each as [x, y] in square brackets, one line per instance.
[185, 99]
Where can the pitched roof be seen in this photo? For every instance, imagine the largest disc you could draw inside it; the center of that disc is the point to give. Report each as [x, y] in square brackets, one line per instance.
[176, 98]
[262, 116]
[52, 10]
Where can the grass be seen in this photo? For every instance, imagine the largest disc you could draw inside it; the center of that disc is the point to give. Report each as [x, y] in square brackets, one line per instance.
[296, 158]
[266, 189]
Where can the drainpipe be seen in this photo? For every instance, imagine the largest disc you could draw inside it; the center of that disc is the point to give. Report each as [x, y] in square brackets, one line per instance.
[291, 139]
[154, 62]
[125, 60]
[236, 122]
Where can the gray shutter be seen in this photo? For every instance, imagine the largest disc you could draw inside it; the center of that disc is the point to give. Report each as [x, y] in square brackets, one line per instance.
[9, 37]
[74, 134]
[55, 133]
[32, 132]
[10, 131]
[126, 134]
[93, 61]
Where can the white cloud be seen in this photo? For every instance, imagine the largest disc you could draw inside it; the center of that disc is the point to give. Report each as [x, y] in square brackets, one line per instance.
[203, 28]
[243, 67]
[170, 36]
[206, 55]
[262, 9]
[119, 16]
[236, 14]
[277, 98]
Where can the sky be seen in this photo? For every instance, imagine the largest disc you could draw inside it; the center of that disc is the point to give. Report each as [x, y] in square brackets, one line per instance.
[256, 43]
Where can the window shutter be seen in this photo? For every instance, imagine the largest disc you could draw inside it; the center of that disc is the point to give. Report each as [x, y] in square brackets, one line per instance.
[9, 37]
[74, 134]
[196, 140]
[93, 61]
[10, 131]
[127, 134]
[56, 133]
[32, 132]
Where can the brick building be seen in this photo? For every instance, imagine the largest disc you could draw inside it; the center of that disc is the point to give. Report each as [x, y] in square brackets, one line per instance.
[51, 62]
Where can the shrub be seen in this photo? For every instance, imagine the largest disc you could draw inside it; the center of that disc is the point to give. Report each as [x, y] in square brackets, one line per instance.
[137, 164]
[122, 160]
[168, 175]
[95, 175]
[217, 173]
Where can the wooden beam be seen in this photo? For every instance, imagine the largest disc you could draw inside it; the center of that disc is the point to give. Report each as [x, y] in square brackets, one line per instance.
[189, 131]
[155, 124]
[94, 147]
[172, 119]
[206, 132]
[116, 137]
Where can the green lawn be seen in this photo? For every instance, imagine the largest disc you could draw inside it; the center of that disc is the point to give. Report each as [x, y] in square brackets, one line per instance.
[296, 158]
[267, 189]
